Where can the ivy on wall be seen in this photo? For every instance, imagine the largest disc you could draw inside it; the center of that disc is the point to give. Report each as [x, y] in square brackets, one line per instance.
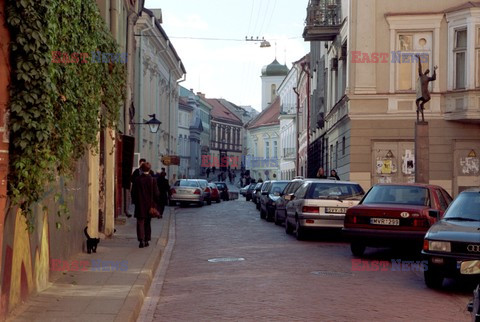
[56, 109]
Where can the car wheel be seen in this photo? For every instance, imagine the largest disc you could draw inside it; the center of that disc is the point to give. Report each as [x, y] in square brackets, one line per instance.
[262, 214]
[248, 198]
[218, 200]
[200, 204]
[288, 228]
[275, 219]
[433, 278]
[209, 202]
[258, 206]
[357, 249]
[299, 231]
[268, 217]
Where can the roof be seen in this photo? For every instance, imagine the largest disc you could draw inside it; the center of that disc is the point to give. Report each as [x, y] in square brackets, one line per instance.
[221, 113]
[275, 69]
[268, 116]
[466, 5]
[164, 34]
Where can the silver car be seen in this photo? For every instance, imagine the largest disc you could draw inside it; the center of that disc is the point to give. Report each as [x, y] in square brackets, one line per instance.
[207, 193]
[187, 191]
[320, 204]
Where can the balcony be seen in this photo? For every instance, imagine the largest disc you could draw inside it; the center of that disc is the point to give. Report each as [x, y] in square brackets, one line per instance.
[289, 152]
[324, 19]
[462, 106]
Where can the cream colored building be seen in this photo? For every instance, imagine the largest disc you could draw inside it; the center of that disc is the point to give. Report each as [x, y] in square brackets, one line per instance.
[366, 111]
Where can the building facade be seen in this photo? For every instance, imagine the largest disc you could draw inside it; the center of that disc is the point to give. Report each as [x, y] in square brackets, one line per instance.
[226, 138]
[158, 71]
[368, 123]
[288, 128]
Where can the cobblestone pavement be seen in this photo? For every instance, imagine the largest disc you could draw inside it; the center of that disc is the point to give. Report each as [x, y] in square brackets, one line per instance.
[282, 279]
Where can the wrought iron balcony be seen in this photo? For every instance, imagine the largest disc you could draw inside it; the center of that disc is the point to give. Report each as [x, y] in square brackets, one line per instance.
[324, 19]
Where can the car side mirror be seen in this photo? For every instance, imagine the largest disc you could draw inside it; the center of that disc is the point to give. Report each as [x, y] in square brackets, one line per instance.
[470, 267]
[434, 213]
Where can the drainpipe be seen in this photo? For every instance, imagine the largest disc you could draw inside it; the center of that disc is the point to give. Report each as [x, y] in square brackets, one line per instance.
[297, 143]
[308, 113]
[140, 91]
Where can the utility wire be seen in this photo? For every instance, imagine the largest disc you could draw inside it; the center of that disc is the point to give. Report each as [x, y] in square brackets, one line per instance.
[225, 39]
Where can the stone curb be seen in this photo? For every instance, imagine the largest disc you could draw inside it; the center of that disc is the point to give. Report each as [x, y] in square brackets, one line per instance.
[133, 304]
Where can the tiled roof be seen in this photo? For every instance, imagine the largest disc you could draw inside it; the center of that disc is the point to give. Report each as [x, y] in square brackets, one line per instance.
[269, 116]
[466, 5]
[221, 113]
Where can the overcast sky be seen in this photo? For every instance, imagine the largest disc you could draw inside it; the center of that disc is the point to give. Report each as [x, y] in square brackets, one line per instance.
[231, 69]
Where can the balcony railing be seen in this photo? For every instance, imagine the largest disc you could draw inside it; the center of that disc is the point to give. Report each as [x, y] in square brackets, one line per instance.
[324, 18]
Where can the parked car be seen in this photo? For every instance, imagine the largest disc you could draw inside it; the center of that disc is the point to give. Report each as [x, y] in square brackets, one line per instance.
[223, 189]
[394, 214]
[186, 191]
[206, 190]
[453, 239]
[258, 194]
[473, 268]
[267, 204]
[320, 204]
[248, 195]
[254, 192]
[243, 191]
[214, 192]
[263, 189]
[281, 203]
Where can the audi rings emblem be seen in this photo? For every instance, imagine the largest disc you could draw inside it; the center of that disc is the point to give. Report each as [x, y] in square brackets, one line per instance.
[473, 248]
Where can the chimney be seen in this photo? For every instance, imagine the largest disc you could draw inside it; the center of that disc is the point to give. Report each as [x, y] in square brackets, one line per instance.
[158, 14]
[201, 95]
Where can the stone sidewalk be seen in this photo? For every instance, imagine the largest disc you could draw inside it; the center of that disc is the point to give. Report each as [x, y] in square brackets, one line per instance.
[103, 292]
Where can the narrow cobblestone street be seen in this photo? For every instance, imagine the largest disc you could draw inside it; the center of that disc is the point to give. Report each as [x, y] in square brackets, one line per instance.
[278, 278]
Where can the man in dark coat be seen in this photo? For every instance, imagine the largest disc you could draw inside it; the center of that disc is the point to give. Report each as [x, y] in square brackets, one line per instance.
[144, 195]
[164, 191]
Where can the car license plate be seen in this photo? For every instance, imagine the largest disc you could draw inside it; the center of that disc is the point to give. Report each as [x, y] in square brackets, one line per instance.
[335, 210]
[385, 221]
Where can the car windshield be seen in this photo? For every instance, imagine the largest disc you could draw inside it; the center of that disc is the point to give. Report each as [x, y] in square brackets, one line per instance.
[403, 195]
[185, 183]
[465, 206]
[332, 190]
[277, 187]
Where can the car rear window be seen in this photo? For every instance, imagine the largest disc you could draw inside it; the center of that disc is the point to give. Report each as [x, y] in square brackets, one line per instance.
[410, 195]
[220, 185]
[277, 187]
[184, 183]
[466, 205]
[321, 190]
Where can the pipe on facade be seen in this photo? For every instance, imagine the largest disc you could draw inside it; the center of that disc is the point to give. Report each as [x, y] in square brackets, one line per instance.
[297, 143]
[304, 69]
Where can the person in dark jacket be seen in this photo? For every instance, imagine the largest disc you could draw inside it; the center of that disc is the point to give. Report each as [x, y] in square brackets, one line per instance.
[164, 191]
[334, 174]
[144, 195]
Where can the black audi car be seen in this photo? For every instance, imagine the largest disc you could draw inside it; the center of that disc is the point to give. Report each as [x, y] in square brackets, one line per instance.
[454, 239]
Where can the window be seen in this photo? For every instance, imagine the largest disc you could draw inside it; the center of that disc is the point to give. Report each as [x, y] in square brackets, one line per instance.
[460, 52]
[273, 93]
[477, 54]
[275, 148]
[409, 45]
[256, 150]
[343, 146]
[441, 199]
[336, 154]
[267, 149]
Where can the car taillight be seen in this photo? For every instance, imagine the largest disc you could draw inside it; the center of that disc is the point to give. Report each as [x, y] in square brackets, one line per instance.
[207, 189]
[351, 219]
[197, 192]
[420, 223]
[172, 191]
[315, 210]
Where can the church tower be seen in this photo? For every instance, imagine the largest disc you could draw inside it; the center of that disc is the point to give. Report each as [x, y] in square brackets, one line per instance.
[272, 76]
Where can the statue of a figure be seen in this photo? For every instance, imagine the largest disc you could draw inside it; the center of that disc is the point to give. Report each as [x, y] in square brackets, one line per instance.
[423, 96]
